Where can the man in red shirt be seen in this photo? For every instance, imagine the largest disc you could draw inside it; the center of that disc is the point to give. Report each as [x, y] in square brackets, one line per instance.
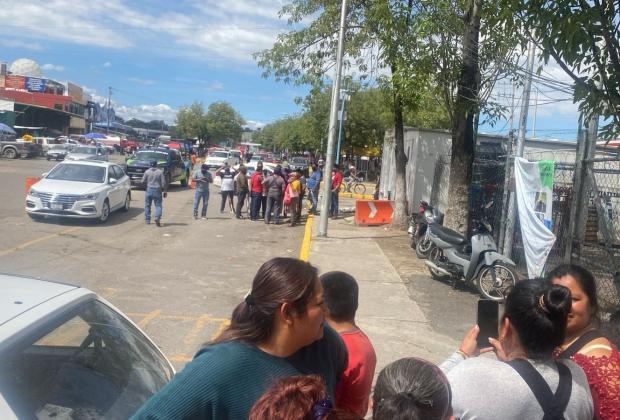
[340, 292]
[256, 191]
[336, 181]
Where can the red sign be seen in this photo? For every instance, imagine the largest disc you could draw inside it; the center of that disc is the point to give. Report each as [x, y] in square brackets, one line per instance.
[15, 82]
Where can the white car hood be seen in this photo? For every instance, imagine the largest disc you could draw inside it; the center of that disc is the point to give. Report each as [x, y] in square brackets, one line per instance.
[215, 159]
[66, 187]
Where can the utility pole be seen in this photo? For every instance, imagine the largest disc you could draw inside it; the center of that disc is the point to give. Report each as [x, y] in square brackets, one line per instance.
[507, 167]
[333, 118]
[109, 102]
[535, 114]
[525, 104]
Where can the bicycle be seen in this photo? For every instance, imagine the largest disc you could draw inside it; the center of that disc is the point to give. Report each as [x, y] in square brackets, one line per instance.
[353, 184]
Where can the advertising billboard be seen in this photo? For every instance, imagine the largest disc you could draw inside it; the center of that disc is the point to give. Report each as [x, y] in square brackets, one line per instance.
[34, 84]
[15, 82]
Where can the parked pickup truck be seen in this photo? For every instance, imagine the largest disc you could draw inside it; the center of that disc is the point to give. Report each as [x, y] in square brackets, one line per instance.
[12, 149]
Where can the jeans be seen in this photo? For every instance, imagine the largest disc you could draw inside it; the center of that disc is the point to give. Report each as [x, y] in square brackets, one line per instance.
[226, 194]
[295, 210]
[273, 203]
[152, 194]
[240, 201]
[263, 206]
[198, 195]
[313, 195]
[333, 207]
[256, 199]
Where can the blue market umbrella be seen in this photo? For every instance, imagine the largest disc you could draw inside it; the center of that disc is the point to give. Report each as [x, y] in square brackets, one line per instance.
[95, 136]
[6, 129]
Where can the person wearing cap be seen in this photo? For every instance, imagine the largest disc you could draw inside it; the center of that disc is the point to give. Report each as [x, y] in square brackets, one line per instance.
[155, 189]
[202, 178]
[228, 186]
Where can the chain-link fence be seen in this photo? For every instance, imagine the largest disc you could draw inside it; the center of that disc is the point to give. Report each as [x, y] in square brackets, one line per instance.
[587, 234]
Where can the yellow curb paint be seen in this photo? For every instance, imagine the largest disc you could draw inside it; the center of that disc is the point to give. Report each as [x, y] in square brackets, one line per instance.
[37, 240]
[304, 253]
[148, 318]
[354, 195]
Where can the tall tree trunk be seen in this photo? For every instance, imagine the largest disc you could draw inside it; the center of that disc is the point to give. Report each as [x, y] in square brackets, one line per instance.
[457, 213]
[400, 193]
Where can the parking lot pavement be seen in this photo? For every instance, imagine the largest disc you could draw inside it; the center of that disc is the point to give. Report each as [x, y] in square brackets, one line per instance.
[179, 282]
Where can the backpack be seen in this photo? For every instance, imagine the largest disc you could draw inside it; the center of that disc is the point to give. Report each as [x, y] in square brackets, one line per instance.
[287, 195]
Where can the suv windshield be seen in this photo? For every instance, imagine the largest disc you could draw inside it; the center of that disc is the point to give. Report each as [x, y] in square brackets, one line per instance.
[57, 147]
[299, 160]
[79, 173]
[152, 156]
[219, 154]
[90, 364]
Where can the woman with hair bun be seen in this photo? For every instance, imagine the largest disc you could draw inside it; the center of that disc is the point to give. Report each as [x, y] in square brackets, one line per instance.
[585, 344]
[526, 382]
[412, 389]
[276, 331]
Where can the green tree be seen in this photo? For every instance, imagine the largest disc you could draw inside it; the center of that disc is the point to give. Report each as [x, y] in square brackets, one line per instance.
[191, 122]
[224, 123]
[583, 37]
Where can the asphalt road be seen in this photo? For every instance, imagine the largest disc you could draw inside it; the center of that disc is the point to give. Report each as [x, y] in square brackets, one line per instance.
[179, 282]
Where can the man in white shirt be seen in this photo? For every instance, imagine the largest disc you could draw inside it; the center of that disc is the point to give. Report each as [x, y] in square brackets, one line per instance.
[228, 186]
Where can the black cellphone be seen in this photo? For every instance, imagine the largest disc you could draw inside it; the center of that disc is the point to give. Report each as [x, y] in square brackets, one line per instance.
[488, 319]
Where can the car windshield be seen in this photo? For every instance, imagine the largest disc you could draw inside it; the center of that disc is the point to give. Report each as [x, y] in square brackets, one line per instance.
[151, 156]
[219, 154]
[89, 363]
[299, 160]
[78, 173]
[57, 147]
[85, 150]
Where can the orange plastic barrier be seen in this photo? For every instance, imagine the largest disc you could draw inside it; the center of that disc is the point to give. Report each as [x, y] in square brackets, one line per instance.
[31, 181]
[373, 212]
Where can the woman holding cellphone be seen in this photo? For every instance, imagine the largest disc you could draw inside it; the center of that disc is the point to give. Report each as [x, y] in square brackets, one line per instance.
[525, 382]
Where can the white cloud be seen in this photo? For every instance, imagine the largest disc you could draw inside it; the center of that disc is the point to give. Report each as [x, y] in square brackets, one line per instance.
[147, 112]
[22, 45]
[211, 31]
[144, 82]
[52, 67]
[215, 87]
[254, 124]
[107, 64]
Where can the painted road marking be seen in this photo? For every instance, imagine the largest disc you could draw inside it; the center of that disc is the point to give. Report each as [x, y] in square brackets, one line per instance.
[37, 240]
[148, 318]
[304, 252]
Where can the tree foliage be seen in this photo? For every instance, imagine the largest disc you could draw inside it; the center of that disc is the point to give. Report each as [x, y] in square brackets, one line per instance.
[191, 122]
[224, 123]
[583, 37]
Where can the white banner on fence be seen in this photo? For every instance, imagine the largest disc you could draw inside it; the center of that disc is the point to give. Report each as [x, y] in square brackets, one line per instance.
[534, 188]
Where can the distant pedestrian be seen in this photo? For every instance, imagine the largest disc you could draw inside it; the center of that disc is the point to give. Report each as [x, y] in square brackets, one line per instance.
[303, 180]
[274, 186]
[242, 188]
[313, 184]
[156, 189]
[202, 178]
[228, 186]
[340, 292]
[294, 187]
[256, 191]
[335, 189]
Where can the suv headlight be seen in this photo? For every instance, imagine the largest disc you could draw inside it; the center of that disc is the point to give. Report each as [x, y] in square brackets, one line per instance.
[33, 192]
[89, 197]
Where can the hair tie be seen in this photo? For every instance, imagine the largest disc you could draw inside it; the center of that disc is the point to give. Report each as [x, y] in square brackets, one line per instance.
[322, 408]
[249, 299]
[541, 303]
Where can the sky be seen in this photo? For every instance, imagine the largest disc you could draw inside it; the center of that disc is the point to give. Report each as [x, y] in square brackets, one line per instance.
[161, 55]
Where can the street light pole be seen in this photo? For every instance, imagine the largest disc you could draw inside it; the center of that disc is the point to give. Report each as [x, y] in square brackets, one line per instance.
[333, 119]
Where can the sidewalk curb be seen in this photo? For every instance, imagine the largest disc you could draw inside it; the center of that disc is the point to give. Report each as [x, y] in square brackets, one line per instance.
[358, 196]
[304, 252]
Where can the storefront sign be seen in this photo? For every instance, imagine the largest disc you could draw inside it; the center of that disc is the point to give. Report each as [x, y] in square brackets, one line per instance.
[34, 84]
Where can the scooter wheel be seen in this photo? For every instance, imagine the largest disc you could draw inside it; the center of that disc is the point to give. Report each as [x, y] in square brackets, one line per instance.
[495, 282]
[423, 248]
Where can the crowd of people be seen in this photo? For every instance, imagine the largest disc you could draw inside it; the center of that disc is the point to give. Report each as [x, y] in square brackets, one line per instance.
[266, 195]
[293, 351]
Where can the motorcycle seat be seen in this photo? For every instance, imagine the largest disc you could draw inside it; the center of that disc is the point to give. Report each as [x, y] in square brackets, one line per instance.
[448, 235]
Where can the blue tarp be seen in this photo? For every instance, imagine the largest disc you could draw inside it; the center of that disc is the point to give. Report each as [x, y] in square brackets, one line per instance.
[95, 136]
[6, 129]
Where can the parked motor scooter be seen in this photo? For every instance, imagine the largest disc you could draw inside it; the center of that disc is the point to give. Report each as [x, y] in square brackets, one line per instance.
[471, 262]
[418, 228]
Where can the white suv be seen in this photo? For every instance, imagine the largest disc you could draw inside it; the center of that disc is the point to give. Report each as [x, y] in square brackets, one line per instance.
[80, 189]
[218, 158]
